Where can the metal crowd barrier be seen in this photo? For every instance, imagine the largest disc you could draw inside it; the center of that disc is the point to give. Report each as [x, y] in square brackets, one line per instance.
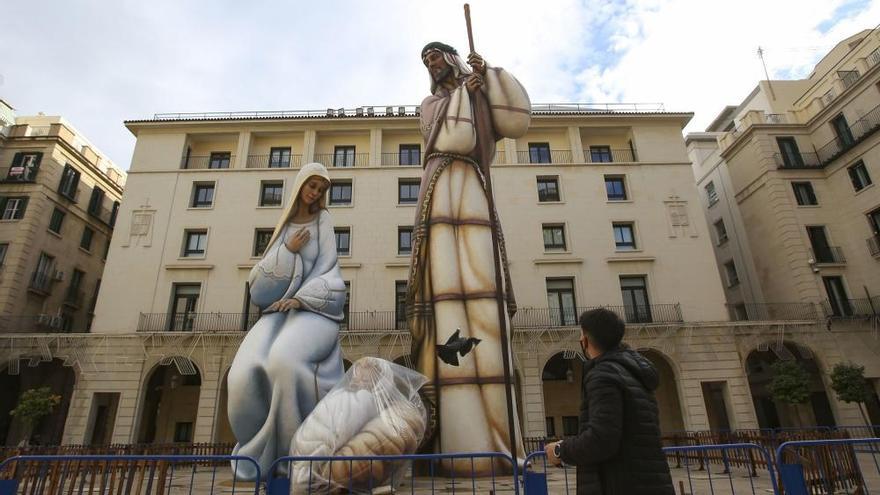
[829, 466]
[123, 474]
[479, 472]
[737, 471]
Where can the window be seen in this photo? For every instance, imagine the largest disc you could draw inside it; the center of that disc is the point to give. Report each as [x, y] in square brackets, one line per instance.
[13, 208]
[822, 250]
[183, 432]
[73, 295]
[561, 302]
[634, 289]
[404, 240]
[720, 232]
[86, 241]
[804, 194]
[202, 195]
[615, 188]
[600, 154]
[261, 241]
[42, 275]
[859, 176]
[194, 243]
[106, 250]
[24, 167]
[184, 301]
[279, 158]
[3, 249]
[340, 193]
[400, 304]
[346, 307]
[569, 426]
[837, 299]
[732, 276]
[96, 201]
[219, 159]
[842, 131]
[711, 194]
[343, 156]
[408, 191]
[548, 189]
[554, 237]
[56, 221]
[114, 210]
[271, 193]
[343, 241]
[410, 154]
[550, 426]
[624, 236]
[539, 152]
[791, 155]
[69, 182]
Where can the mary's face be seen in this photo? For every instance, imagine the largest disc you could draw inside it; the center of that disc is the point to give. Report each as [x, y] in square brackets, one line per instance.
[312, 190]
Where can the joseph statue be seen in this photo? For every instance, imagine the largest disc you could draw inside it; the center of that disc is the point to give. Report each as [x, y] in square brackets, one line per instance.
[458, 252]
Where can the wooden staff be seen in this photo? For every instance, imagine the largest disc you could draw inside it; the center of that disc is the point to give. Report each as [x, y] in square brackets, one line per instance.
[467, 20]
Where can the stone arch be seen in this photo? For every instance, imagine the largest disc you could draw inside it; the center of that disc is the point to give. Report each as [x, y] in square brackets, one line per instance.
[667, 393]
[770, 412]
[561, 386]
[173, 380]
[54, 374]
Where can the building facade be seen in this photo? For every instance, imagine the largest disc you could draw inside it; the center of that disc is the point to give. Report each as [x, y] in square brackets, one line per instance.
[58, 202]
[786, 180]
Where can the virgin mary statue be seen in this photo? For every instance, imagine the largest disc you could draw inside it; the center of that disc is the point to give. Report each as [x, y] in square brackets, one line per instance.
[291, 357]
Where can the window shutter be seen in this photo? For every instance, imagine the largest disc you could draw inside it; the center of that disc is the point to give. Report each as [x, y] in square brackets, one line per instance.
[16, 160]
[22, 207]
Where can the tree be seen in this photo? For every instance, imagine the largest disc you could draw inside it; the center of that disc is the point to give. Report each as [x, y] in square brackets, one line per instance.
[33, 406]
[791, 385]
[848, 382]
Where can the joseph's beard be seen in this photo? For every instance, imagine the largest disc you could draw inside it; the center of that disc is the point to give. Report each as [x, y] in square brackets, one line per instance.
[443, 74]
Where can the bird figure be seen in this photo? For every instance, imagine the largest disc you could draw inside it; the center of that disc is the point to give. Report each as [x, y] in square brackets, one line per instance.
[456, 346]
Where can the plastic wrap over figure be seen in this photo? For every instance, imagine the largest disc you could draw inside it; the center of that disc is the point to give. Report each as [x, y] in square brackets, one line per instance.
[291, 357]
[375, 410]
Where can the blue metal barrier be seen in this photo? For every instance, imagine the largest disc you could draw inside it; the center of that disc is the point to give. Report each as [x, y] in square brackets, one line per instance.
[142, 474]
[739, 460]
[478, 472]
[829, 466]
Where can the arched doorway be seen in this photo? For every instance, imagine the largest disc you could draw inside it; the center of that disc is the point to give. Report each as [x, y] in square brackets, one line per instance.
[775, 414]
[49, 430]
[222, 428]
[668, 402]
[561, 379]
[170, 402]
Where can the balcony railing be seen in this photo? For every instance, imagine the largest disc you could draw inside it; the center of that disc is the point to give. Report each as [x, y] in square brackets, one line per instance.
[393, 159]
[31, 323]
[773, 312]
[798, 161]
[41, 281]
[556, 156]
[265, 161]
[874, 58]
[74, 298]
[547, 317]
[195, 322]
[828, 254]
[202, 162]
[332, 160]
[849, 77]
[852, 308]
[615, 155]
[873, 245]
[859, 130]
[19, 175]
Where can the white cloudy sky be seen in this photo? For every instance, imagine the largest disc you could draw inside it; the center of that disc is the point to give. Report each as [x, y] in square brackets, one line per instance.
[101, 62]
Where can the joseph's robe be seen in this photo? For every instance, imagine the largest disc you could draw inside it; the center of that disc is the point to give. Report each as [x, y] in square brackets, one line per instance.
[452, 281]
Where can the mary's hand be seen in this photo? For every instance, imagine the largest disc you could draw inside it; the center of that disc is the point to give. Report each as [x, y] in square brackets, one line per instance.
[283, 305]
[298, 240]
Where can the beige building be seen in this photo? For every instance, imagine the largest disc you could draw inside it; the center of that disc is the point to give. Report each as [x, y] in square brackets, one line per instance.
[786, 179]
[58, 202]
[598, 205]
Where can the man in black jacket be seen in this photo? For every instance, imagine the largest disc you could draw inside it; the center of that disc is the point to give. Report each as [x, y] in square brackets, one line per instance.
[617, 449]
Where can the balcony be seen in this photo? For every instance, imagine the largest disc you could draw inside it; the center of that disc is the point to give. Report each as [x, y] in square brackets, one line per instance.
[265, 161]
[800, 161]
[204, 162]
[74, 298]
[541, 156]
[858, 131]
[828, 255]
[849, 77]
[18, 175]
[852, 308]
[611, 156]
[332, 160]
[874, 245]
[41, 282]
[773, 312]
[195, 322]
[547, 317]
[394, 159]
[30, 323]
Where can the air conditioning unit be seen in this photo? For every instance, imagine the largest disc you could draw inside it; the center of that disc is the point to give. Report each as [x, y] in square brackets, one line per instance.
[401, 110]
[56, 322]
[58, 276]
[44, 319]
[389, 110]
[370, 111]
[359, 111]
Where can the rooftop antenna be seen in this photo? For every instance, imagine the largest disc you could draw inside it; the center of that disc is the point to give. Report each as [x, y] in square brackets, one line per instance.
[764, 64]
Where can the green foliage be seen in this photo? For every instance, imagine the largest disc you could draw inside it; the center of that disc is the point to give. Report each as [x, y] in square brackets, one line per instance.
[848, 381]
[35, 404]
[791, 383]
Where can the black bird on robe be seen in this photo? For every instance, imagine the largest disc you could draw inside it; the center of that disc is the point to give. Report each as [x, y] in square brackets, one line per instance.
[456, 346]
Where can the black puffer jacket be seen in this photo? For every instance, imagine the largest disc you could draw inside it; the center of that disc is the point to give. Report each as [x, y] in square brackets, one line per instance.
[617, 449]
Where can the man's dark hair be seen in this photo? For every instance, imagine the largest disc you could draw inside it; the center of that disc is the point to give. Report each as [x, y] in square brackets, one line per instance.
[603, 327]
[436, 45]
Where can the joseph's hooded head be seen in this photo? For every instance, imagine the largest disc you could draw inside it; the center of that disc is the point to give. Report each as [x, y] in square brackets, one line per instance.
[455, 65]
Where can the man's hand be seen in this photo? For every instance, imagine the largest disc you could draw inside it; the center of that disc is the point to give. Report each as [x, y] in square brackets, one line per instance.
[474, 83]
[551, 455]
[283, 305]
[298, 240]
[477, 63]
